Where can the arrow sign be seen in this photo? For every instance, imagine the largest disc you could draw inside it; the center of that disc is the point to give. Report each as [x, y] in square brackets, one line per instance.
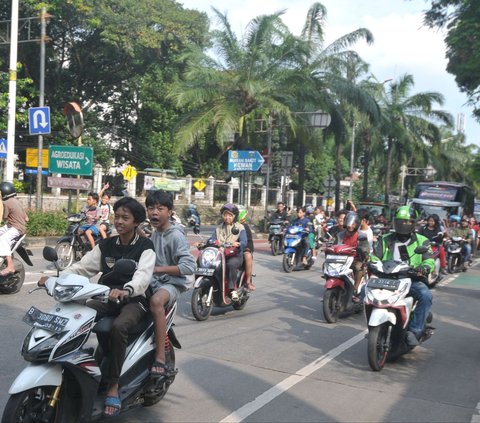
[69, 183]
[39, 120]
[244, 161]
[70, 160]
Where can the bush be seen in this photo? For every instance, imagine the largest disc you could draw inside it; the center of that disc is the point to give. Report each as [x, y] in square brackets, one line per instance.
[46, 223]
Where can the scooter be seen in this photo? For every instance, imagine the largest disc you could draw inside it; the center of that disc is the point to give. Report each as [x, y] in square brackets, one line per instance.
[211, 286]
[455, 257]
[388, 310]
[13, 282]
[193, 218]
[293, 249]
[276, 231]
[63, 380]
[435, 276]
[339, 284]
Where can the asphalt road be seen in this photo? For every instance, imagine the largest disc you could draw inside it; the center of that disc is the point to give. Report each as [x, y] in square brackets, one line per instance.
[279, 361]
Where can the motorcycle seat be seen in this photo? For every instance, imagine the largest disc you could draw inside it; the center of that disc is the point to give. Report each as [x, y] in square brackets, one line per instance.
[105, 324]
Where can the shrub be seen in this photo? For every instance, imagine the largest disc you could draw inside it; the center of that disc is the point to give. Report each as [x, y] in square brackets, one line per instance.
[50, 223]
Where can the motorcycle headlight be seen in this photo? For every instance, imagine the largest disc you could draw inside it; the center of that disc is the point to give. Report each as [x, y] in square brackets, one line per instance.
[208, 257]
[64, 293]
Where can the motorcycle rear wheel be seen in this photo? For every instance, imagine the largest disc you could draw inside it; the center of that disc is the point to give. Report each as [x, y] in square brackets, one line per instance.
[288, 263]
[201, 311]
[29, 406]
[151, 398]
[15, 281]
[377, 348]
[275, 246]
[331, 305]
[66, 254]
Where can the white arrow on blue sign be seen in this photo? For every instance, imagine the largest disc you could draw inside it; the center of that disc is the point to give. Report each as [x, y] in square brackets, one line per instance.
[3, 148]
[244, 161]
[39, 120]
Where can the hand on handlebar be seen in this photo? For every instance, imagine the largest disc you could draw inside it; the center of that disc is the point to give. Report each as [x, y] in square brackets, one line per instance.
[118, 295]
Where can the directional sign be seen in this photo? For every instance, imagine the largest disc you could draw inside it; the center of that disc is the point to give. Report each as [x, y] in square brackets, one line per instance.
[3, 148]
[244, 161]
[200, 185]
[70, 160]
[69, 183]
[39, 120]
[129, 172]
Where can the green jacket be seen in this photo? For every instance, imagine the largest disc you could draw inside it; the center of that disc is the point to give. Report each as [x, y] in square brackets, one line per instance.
[384, 250]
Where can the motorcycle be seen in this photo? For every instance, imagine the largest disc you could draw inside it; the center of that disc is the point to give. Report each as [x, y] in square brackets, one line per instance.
[276, 231]
[339, 284]
[455, 257]
[73, 245]
[193, 218]
[13, 282]
[435, 276]
[388, 310]
[63, 380]
[293, 249]
[211, 286]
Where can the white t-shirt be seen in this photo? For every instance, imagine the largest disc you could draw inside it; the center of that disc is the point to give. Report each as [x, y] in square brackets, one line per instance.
[369, 233]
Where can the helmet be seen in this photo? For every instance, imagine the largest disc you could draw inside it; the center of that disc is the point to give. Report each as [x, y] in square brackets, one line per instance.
[242, 214]
[309, 209]
[352, 219]
[231, 208]
[404, 221]
[452, 218]
[8, 190]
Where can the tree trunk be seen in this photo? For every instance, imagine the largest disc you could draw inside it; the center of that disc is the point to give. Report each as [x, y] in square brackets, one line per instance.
[338, 174]
[388, 173]
[301, 173]
[367, 140]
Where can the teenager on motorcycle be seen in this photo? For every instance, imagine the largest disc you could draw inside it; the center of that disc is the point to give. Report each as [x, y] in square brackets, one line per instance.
[281, 213]
[459, 227]
[434, 231]
[390, 247]
[230, 231]
[248, 252]
[303, 221]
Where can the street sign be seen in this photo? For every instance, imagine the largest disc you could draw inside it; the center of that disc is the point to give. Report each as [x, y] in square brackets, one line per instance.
[3, 148]
[35, 172]
[70, 160]
[200, 185]
[129, 172]
[32, 157]
[69, 183]
[39, 120]
[244, 161]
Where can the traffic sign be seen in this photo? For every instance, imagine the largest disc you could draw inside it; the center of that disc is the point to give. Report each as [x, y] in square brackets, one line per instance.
[39, 120]
[69, 183]
[3, 148]
[70, 160]
[200, 185]
[35, 172]
[32, 157]
[129, 172]
[244, 161]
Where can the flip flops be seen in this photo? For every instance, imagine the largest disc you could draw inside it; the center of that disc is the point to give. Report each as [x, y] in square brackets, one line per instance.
[165, 372]
[4, 273]
[115, 404]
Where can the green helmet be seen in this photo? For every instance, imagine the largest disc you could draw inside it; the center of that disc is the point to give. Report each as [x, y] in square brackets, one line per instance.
[404, 222]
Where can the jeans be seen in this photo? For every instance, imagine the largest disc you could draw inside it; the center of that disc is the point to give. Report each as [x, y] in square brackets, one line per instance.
[467, 251]
[420, 292]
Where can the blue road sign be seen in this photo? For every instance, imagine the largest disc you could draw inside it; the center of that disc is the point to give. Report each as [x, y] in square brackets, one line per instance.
[39, 120]
[35, 171]
[3, 148]
[244, 161]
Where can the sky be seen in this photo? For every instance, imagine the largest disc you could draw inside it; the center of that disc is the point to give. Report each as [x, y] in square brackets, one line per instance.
[403, 45]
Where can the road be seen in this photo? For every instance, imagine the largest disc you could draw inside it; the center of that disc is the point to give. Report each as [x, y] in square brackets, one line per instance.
[279, 361]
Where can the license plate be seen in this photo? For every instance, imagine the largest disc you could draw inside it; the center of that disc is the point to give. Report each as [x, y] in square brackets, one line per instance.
[289, 236]
[380, 283]
[336, 259]
[51, 322]
[204, 271]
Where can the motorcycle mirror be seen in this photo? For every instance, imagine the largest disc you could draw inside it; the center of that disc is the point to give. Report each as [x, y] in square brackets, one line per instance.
[50, 254]
[125, 266]
[422, 249]
[196, 230]
[235, 230]
[362, 237]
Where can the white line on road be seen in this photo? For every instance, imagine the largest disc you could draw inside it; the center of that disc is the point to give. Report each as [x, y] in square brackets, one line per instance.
[268, 396]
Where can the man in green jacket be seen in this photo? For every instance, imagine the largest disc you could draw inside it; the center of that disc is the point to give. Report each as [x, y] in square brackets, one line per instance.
[401, 245]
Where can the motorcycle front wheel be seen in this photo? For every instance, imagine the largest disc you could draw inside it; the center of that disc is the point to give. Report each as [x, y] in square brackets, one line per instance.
[30, 406]
[453, 263]
[66, 254]
[15, 281]
[201, 311]
[377, 346]
[288, 262]
[331, 305]
[275, 246]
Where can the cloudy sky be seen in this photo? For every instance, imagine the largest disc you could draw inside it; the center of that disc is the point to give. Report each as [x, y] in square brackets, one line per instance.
[402, 44]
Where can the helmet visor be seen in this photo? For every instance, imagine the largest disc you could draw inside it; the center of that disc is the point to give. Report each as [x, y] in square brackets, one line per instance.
[403, 226]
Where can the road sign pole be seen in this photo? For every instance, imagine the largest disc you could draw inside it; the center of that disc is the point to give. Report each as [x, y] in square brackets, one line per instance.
[269, 163]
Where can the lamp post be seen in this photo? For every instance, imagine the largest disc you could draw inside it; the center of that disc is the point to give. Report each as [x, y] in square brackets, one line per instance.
[352, 159]
[405, 171]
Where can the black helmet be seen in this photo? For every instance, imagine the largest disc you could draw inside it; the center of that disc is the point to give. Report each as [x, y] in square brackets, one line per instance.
[231, 208]
[351, 219]
[8, 190]
[404, 222]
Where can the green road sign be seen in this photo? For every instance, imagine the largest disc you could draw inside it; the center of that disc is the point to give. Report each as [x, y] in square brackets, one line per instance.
[70, 160]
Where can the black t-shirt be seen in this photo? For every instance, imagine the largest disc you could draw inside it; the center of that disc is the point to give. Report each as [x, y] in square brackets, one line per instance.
[248, 231]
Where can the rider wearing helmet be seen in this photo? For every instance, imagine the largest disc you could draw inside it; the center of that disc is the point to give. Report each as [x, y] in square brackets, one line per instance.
[401, 245]
[306, 224]
[248, 252]
[232, 232]
[15, 220]
[459, 227]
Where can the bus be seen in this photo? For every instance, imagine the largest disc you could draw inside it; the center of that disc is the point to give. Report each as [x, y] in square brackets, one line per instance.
[443, 199]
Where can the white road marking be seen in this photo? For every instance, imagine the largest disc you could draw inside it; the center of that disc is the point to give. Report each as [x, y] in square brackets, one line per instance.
[268, 396]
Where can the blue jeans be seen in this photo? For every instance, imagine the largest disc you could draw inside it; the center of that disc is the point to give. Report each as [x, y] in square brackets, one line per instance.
[420, 292]
[467, 251]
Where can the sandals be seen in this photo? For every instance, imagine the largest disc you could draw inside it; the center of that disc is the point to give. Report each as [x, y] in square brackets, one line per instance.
[251, 287]
[4, 273]
[112, 402]
[165, 370]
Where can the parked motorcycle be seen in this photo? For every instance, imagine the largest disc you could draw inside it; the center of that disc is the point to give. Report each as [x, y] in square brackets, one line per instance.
[276, 231]
[211, 286]
[73, 246]
[339, 284]
[293, 249]
[62, 382]
[455, 257]
[388, 310]
[12, 283]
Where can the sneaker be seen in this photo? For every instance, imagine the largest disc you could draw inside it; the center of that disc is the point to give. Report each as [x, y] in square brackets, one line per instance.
[411, 339]
[234, 295]
[443, 271]
[305, 261]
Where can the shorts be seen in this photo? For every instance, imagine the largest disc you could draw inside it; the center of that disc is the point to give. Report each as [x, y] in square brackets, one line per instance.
[93, 228]
[172, 290]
